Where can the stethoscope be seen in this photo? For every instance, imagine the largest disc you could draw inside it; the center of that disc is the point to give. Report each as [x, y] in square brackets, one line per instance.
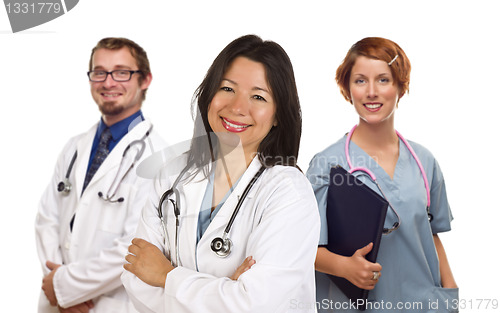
[65, 186]
[374, 179]
[221, 246]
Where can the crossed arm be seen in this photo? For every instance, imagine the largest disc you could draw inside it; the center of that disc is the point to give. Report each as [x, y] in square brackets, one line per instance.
[149, 264]
[48, 289]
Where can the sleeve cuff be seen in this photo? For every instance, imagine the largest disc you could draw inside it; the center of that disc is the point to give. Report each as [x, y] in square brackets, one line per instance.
[57, 284]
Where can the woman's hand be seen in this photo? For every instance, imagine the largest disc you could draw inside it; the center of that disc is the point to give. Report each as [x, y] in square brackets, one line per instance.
[361, 272]
[245, 266]
[147, 262]
[447, 279]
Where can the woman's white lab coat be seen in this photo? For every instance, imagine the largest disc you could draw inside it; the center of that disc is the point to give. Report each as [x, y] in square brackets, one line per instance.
[277, 225]
[92, 253]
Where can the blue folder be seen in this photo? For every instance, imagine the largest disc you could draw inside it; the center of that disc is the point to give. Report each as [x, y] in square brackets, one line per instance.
[355, 215]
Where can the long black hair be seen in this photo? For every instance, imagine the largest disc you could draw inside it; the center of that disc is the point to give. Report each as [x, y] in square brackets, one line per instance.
[281, 145]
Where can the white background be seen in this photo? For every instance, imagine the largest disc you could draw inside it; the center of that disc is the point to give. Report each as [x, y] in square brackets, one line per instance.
[452, 107]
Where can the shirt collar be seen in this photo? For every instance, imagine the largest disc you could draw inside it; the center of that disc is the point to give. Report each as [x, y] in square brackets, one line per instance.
[121, 128]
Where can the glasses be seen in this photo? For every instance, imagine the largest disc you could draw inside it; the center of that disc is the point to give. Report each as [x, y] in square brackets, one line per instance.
[117, 75]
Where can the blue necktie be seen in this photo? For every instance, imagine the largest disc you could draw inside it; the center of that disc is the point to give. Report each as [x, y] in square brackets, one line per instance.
[100, 156]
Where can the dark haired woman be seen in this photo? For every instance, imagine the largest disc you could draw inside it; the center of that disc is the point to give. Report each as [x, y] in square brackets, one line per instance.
[248, 106]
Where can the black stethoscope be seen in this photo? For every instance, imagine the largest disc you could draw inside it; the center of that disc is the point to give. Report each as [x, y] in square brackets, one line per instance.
[221, 246]
[65, 186]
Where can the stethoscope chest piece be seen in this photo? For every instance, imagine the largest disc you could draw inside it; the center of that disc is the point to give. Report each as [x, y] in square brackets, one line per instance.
[64, 186]
[221, 247]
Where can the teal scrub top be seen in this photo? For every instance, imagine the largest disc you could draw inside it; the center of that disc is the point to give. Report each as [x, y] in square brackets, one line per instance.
[410, 280]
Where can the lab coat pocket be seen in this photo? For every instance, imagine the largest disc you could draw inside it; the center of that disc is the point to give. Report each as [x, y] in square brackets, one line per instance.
[113, 214]
[111, 305]
[444, 300]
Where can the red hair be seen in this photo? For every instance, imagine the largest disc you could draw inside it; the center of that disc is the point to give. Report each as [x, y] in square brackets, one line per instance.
[379, 49]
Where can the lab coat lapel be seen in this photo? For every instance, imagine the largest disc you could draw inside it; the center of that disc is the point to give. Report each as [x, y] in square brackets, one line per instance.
[83, 148]
[193, 193]
[218, 224]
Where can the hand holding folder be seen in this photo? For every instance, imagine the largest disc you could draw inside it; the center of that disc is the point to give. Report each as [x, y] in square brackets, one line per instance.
[355, 217]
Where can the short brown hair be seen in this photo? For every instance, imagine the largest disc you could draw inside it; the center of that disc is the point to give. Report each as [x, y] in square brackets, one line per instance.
[140, 56]
[379, 49]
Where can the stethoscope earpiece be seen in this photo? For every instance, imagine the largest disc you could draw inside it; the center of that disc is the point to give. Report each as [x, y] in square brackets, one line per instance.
[100, 195]
[221, 247]
[387, 231]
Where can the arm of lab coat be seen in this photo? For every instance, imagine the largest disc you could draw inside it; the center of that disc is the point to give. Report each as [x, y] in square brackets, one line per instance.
[146, 298]
[81, 281]
[283, 244]
[85, 280]
[47, 219]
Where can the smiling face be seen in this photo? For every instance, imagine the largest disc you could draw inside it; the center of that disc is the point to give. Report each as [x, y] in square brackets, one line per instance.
[243, 105]
[372, 90]
[117, 100]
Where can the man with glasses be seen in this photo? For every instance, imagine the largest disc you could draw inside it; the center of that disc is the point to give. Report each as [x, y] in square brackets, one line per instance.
[89, 212]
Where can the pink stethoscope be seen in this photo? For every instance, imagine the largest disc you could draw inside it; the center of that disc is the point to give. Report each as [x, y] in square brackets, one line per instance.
[374, 179]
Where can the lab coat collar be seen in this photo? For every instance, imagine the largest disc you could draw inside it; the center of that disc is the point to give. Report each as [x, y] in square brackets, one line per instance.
[121, 128]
